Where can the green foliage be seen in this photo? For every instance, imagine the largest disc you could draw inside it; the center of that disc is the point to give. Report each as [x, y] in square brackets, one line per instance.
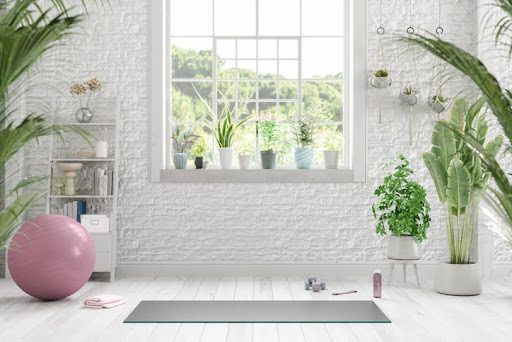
[182, 140]
[199, 148]
[440, 99]
[458, 174]
[410, 90]
[28, 29]
[268, 131]
[303, 131]
[402, 208]
[381, 73]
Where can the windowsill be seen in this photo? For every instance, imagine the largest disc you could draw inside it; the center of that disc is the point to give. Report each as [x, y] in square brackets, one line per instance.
[257, 176]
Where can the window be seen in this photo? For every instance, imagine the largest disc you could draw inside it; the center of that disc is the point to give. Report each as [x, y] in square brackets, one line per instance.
[287, 59]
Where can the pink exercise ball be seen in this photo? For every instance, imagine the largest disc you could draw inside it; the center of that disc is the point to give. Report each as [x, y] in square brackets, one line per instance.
[51, 257]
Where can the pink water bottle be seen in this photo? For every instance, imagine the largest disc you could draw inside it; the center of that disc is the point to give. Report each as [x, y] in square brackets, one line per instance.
[377, 284]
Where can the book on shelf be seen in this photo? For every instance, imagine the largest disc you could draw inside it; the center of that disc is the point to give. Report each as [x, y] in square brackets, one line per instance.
[103, 184]
[74, 209]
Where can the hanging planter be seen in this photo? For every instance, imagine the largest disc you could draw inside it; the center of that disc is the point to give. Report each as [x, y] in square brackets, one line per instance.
[439, 103]
[409, 96]
[381, 79]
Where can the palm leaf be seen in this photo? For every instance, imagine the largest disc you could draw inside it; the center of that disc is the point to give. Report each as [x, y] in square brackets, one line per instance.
[443, 144]
[438, 174]
[458, 188]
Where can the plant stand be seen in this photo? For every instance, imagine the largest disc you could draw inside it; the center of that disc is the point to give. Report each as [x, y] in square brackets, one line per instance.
[404, 263]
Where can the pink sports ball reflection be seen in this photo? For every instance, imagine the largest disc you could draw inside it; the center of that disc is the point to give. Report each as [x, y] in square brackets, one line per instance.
[51, 257]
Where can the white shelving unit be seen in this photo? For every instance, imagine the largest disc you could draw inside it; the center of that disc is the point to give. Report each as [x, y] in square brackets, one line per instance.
[105, 243]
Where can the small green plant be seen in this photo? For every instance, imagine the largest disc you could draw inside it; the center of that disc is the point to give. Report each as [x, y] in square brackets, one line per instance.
[268, 131]
[410, 90]
[440, 99]
[381, 73]
[182, 140]
[402, 208]
[199, 147]
[303, 130]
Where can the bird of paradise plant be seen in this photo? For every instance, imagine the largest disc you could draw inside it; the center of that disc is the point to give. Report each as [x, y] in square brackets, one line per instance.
[28, 30]
[497, 99]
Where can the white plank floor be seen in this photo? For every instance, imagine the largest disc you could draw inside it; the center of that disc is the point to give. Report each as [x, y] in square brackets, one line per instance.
[417, 314]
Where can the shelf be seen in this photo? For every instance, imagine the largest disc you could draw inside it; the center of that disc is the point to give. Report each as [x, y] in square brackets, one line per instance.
[80, 196]
[90, 124]
[80, 160]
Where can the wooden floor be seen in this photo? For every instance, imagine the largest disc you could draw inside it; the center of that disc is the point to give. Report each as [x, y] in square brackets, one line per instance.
[417, 314]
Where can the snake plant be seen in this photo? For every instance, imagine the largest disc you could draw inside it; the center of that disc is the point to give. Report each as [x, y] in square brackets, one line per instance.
[459, 176]
[28, 30]
[497, 99]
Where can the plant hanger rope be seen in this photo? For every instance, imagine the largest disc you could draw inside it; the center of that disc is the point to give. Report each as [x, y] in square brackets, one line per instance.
[380, 78]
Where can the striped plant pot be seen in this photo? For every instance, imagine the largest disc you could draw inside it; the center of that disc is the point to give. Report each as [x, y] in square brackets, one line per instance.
[180, 160]
[303, 157]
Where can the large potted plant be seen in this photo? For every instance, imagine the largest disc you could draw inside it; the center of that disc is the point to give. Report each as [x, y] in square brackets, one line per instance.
[182, 140]
[303, 131]
[402, 211]
[268, 132]
[460, 179]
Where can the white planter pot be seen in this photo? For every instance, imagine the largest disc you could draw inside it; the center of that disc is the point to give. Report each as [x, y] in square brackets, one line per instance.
[408, 99]
[244, 161]
[403, 248]
[458, 279]
[226, 157]
[380, 82]
[331, 159]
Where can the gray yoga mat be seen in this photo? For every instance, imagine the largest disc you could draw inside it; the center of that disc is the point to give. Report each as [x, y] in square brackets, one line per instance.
[257, 312]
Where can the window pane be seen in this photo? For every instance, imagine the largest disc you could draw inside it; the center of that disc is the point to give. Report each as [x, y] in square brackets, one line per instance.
[287, 111]
[246, 48]
[226, 48]
[246, 90]
[267, 48]
[268, 90]
[322, 57]
[235, 17]
[267, 69]
[226, 70]
[323, 100]
[289, 69]
[279, 18]
[322, 17]
[247, 69]
[328, 137]
[191, 17]
[186, 104]
[267, 109]
[288, 90]
[191, 57]
[245, 109]
[288, 48]
[245, 141]
[226, 90]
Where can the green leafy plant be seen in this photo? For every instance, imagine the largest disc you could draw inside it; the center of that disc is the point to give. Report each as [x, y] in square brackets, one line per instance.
[222, 126]
[410, 90]
[199, 147]
[498, 101]
[28, 30]
[402, 208]
[268, 131]
[459, 176]
[381, 73]
[440, 99]
[182, 140]
[303, 131]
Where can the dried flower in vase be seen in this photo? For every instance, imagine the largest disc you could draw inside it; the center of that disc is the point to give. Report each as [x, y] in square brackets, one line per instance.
[84, 114]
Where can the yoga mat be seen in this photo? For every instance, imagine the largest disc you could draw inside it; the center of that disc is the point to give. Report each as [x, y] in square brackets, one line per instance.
[257, 312]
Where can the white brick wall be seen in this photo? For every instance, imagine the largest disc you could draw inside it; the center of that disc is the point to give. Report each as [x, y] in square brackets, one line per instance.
[275, 223]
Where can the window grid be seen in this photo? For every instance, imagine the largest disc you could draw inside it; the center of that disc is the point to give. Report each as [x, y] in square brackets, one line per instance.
[300, 81]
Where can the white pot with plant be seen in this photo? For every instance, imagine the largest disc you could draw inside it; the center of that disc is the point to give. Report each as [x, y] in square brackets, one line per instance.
[409, 95]
[182, 140]
[223, 128]
[268, 130]
[381, 79]
[439, 103]
[402, 211]
[333, 142]
[460, 179]
[244, 161]
[198, 150]
[303, 131]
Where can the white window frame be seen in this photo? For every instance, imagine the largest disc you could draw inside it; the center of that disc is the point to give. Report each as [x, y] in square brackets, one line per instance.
[354, 116]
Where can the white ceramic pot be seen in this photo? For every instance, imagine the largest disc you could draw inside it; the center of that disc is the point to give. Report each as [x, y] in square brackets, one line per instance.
[244, 161]
[331, 159]
[403, 248]
[226, 157]
[458, 279]
[380, 82]
[408, 99]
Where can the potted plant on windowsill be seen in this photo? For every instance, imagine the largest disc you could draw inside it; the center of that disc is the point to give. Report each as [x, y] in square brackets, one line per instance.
[223, 128]
[333, 143]
[460, 179]
[181, 143]
[303, 131]
[268, 132]
[402, 211]
[199, 151]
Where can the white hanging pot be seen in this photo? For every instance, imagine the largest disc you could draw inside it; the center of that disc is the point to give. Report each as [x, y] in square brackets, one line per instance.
[403, 248]
[408, 99]
[380, 82]
[226, 157]
[438, 103]
[458, 279]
